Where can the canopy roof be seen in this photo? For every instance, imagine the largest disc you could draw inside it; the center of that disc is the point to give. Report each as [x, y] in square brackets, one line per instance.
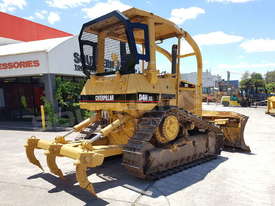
[113, 25]
[164, 28]
[32, 47]
[14, 29]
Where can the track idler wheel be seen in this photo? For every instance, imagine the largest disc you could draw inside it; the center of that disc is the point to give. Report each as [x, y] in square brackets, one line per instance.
[168, 129]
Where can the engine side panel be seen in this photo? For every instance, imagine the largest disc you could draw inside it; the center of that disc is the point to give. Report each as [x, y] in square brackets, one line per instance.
[127, 92]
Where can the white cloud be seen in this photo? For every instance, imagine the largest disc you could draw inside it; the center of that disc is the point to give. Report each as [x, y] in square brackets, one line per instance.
[258, 45]
[41, 14]
[64, 4]
[246, 66]
[214, 38]
[29, 18]
[179, 16]
[53, 17]
[230, 1]
[12, 5]
[102, 8]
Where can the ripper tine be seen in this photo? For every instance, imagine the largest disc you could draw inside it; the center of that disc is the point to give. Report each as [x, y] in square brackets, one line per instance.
[31, 157]
[51, 162]
[52, 153]
[29, 147]
[81, 176]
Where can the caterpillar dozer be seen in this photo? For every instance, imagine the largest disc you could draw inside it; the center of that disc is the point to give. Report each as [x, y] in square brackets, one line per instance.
[153, 120]
[271, 105]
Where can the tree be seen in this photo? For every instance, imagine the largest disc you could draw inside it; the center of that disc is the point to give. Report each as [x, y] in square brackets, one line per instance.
[256, 76]
[246, 83]
[52, 118]
[270, 87]
[67, 94]
[270, 77]
[258, 81]
[246, 80]
[253, 84]
[245, 76]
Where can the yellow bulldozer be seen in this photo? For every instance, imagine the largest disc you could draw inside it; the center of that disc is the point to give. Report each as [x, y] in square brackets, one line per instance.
[153, 120]
[271, 105]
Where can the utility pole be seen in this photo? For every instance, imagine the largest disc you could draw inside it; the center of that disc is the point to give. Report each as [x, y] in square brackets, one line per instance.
[228, 82]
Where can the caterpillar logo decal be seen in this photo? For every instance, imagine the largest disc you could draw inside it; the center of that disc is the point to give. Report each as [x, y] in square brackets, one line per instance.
[104, 97]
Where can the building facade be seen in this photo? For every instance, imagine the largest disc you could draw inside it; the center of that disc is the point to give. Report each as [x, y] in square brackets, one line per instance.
[208, 80]
[28, 71]
[27, 65]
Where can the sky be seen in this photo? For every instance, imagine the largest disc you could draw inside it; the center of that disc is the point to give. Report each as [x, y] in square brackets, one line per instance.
[233, 35]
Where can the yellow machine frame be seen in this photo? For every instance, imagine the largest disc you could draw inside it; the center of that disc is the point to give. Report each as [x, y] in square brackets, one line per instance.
[271, 105]
[92, 153]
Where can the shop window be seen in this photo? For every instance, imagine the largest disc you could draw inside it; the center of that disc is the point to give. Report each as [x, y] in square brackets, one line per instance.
[2, 99]
[9, 80]
[24, 80]
[37, 80]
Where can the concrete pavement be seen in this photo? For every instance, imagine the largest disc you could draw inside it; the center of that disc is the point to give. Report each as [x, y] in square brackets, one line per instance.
[232, 179]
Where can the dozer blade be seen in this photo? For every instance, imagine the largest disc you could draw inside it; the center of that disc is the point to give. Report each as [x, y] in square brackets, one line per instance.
[232, 125]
